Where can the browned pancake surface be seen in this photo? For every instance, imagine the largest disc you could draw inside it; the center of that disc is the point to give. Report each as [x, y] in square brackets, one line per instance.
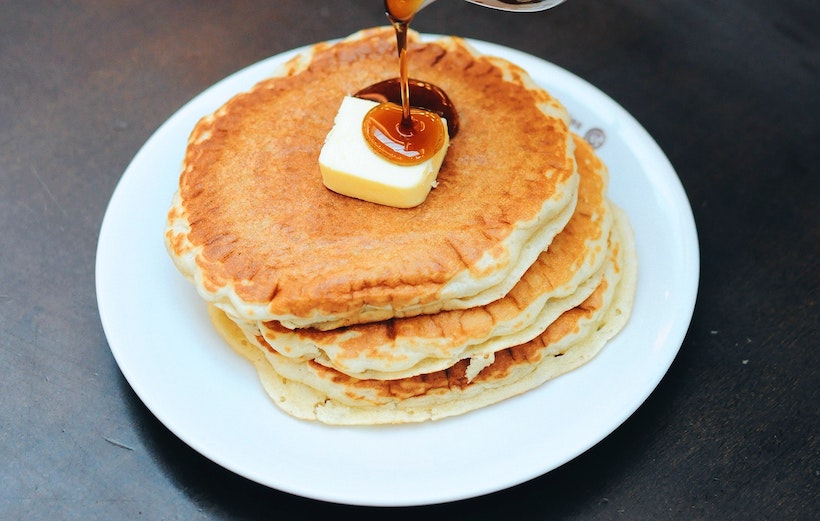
[252, 191]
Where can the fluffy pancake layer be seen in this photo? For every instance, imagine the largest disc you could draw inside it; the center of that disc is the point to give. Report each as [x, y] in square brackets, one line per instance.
[311, 391]
[253, 226]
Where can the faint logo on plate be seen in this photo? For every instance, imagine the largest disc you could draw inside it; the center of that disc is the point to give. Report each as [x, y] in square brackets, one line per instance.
[595, 136]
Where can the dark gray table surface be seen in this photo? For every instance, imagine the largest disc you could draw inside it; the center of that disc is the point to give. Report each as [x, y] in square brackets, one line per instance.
[730, 90]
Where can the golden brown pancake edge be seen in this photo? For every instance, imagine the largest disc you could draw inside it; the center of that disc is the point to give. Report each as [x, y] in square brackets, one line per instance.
[256, 230]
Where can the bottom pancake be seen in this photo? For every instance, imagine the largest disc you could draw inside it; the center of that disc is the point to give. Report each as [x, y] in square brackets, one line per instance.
[310, 391]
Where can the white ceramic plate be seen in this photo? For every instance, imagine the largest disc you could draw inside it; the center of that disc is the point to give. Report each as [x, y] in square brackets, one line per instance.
[211, 398]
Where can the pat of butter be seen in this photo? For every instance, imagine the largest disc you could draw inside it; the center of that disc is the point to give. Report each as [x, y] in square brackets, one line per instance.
[350, 167]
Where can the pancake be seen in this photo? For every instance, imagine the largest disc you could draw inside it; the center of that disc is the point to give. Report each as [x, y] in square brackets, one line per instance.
[311, 391]
[561, 278]
[261, 238]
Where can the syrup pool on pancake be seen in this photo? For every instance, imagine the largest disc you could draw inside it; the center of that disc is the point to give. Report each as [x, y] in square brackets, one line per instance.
[402, 133]
[406, 133]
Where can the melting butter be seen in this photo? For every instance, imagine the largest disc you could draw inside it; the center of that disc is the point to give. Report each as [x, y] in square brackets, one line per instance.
[350, 167]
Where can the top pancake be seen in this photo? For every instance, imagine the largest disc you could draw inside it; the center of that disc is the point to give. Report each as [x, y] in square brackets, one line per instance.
[263, 239]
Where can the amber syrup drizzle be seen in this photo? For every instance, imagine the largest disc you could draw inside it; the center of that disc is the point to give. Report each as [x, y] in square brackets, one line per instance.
[402, 133]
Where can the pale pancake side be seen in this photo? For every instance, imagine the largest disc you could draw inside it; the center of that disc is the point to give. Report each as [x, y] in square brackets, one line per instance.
[253, 226]
[313, 392]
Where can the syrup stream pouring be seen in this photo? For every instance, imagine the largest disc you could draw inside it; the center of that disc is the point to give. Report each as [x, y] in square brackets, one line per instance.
[410, 139]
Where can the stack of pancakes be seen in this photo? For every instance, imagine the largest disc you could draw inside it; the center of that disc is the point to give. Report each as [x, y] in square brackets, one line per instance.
[517, 267]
